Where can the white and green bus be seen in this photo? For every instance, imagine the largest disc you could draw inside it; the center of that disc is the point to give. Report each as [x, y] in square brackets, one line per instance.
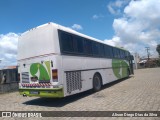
[56, 61]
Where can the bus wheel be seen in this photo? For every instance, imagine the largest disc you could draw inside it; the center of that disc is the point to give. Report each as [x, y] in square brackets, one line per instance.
[97, 82]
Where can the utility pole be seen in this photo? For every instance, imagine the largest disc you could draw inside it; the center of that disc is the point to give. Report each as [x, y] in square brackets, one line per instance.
[135, 60]
[148, 54]
[0, 64]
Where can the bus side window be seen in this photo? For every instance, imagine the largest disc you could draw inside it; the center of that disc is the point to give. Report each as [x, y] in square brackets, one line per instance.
[88, 47]
[114, 53]
[107, 51]
[95, 48]
[126, 55]
[122, 54]
[79, 48]
[119, 53]
[101, 50]
[66, 42]
[111, 52]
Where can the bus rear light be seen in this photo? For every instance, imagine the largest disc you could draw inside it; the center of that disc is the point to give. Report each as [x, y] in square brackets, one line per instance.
[55, 75]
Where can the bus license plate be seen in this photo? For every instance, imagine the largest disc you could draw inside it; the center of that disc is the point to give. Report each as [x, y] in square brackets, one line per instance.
[34, 92]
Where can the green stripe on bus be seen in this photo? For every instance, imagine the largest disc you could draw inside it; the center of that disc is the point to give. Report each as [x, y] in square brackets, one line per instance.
[120, 68]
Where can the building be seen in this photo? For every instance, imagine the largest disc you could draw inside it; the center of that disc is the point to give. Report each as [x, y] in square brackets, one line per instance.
[145, 63]
[8, 79]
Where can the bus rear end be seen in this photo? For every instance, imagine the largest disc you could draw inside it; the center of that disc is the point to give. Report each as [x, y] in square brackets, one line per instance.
[38, 57]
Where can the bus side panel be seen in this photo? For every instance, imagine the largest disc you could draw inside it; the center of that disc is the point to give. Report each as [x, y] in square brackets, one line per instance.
[109, 69]
[87, 67]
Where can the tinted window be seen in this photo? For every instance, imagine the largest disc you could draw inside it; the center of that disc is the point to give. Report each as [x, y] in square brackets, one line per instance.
[126, 54]
[76, 45]
[66, 42]
[107, 54]
[108, 51]
[95, 48]
[88, 47]
[101, 50]
[111, 51]
[79, 44]
[116, 53]
[122, 53]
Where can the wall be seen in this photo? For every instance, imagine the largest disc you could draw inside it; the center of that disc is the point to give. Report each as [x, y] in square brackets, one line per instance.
[8, 80]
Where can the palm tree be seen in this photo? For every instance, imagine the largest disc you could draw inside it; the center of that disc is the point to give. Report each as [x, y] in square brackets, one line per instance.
[158, 49]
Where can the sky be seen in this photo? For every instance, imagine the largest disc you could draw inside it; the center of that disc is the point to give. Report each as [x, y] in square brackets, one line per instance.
[131, 24]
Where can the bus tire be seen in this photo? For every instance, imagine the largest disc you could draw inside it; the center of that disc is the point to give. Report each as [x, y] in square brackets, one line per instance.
[97, 82]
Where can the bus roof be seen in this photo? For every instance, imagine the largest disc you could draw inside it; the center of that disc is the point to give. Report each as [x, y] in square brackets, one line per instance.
[67, 29]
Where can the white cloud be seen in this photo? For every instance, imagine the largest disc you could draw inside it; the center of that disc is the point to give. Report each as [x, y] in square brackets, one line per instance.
[97, 16]
[138, 28]
[119, 3]
[111, 10]
[76, 27]
[116, 6]
[114, 42]
[8, 49]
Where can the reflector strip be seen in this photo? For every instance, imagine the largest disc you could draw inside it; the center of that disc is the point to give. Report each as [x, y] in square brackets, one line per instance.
[36, 84]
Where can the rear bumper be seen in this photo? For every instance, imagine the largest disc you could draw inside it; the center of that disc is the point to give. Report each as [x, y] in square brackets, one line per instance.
[42, 92]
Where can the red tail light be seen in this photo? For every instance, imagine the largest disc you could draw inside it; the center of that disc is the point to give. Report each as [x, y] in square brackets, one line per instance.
[55, 75]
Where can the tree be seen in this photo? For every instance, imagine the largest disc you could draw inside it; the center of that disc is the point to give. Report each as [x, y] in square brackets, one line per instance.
[158, 49]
